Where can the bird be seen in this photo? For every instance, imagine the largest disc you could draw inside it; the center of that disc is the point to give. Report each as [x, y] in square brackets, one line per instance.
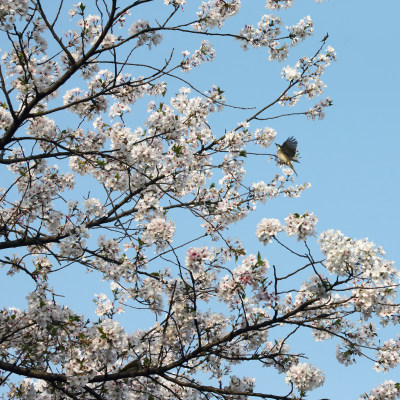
[133, 366]
[287, 152]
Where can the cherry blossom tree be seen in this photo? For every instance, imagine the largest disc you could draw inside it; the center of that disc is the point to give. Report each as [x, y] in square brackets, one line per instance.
[69, 87]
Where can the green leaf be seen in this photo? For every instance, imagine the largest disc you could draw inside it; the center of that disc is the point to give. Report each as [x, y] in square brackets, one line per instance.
[177, 148]
[102, 333]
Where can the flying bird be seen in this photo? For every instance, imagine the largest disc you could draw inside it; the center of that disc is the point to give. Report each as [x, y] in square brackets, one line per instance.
[287, 152]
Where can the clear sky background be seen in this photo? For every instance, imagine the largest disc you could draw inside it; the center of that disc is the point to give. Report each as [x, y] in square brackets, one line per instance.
[350, 157]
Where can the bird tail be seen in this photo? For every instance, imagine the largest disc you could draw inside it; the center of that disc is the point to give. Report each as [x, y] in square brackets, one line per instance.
[291, 166]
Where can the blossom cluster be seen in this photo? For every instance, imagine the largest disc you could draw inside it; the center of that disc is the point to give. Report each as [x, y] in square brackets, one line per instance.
[265, 136]
[267, 229]
[9, 10]
[301, 226]
[344, 254]
[305, 377]
[298, 225]
[305, 77]
[251, 272]
[204, 54]
[215, 12]
[389, 390]
[140, 29]
[159, 231]
[388, 355]
[195, 257]
[318, 111]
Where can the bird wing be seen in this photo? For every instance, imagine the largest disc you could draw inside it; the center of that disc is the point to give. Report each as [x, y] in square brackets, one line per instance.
[290, 146]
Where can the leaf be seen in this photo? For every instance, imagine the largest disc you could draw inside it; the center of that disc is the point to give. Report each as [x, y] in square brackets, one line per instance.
[177, 148]
[102, 333]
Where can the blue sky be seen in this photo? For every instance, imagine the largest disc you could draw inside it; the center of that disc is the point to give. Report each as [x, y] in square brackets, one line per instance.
[350, 157]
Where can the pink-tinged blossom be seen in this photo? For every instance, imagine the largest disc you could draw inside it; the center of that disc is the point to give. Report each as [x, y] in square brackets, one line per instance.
[388, 355]
[300, 31]
[305, 377]
[160, 232]
[138, 26]
[215, 12]
[263, 191]
[242, 385]
[297, 190]
[206, 53]
[290, 73]
[9, 10]
[249, 275]
[104, 305]
[264, 35]
[389, 390]
[265, 137]
[75, 99]
[195, 257]
[267, 229]
[140, 29]
[118, 110]
[93, 208]
[5, 118]
[344, 254]
[278, 4]
[251, 271]
[310, 84]
[76, 9]
[91, 27]
[301, 226]
[318, 111]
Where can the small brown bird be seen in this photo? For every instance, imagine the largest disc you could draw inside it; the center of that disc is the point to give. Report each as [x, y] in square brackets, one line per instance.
[287, 152]
[133, 366]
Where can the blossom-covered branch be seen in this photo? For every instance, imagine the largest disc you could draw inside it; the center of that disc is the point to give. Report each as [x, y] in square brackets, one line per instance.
[146, 201]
